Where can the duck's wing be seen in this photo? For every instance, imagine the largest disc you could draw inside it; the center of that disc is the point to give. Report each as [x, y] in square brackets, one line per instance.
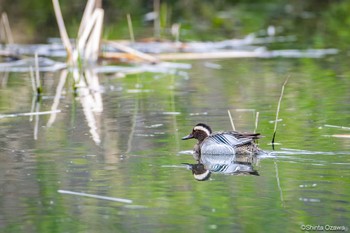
[229, 139]
[236, 134]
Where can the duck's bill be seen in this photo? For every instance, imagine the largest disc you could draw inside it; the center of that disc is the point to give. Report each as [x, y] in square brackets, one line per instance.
[187, 137]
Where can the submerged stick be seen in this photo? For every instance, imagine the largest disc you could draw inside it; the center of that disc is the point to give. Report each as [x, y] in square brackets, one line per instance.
[277, 112]
[231, 120]
[96, 196]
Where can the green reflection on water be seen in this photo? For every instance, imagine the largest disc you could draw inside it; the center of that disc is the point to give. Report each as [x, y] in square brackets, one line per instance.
[139, 156]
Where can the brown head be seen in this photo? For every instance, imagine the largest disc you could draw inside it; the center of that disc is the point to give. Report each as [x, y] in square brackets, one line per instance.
[200, 132]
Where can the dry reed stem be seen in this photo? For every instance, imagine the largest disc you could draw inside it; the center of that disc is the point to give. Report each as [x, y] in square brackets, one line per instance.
[89, 41]
[7, 28]
[211, 55]
[277, 112]
[86, 16]
[62, 29]
[231, 120]
[156, 22]
[256, 121]
[131, 30]
[37, 75]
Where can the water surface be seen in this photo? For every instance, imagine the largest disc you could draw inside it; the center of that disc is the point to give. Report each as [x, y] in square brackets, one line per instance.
[302, 183]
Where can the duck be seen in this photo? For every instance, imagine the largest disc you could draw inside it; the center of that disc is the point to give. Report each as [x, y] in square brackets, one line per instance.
[222, 143]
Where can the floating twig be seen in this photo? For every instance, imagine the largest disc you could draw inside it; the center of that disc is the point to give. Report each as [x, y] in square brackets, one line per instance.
[27, 114]
[133, 52]
[337, 126]
[127, 201]
[277, 112]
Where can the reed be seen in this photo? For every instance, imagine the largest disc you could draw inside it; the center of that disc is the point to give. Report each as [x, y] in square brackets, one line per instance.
[62, 29]
[35, 78]
[156, 23]
[88, 36]
[256, 121]
[6, 29]
[39, 88]
[277, 113]
[131, 29]
[231, 120]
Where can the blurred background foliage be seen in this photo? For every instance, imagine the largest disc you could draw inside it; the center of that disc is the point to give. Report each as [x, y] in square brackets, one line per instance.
[317, 23]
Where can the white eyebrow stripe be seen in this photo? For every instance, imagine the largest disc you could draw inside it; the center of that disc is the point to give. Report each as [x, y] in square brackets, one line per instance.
[199, 127]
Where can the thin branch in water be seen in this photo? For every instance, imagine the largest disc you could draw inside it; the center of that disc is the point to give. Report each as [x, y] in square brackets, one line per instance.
[37, 76]
[256, 121]
[277, 112]
[131, 30]
[36, 125]
[231, 120]
[31, 73]
[27, 114]
[337, 126]
[127, 201]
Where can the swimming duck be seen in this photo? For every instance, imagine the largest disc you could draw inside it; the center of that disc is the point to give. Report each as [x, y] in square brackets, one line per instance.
[223, 143]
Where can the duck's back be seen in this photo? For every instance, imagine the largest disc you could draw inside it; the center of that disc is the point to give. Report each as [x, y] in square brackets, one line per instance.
[223, 143]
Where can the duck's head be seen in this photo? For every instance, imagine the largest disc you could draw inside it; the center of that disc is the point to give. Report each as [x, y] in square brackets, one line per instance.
[200, 132]
[199, 171]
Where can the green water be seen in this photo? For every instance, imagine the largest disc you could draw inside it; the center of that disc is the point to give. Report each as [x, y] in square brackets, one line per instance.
[139, 158]
[303, 185]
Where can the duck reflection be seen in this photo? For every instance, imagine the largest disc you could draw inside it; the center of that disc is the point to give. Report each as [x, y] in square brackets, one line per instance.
[224, 164]
[228, 152]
